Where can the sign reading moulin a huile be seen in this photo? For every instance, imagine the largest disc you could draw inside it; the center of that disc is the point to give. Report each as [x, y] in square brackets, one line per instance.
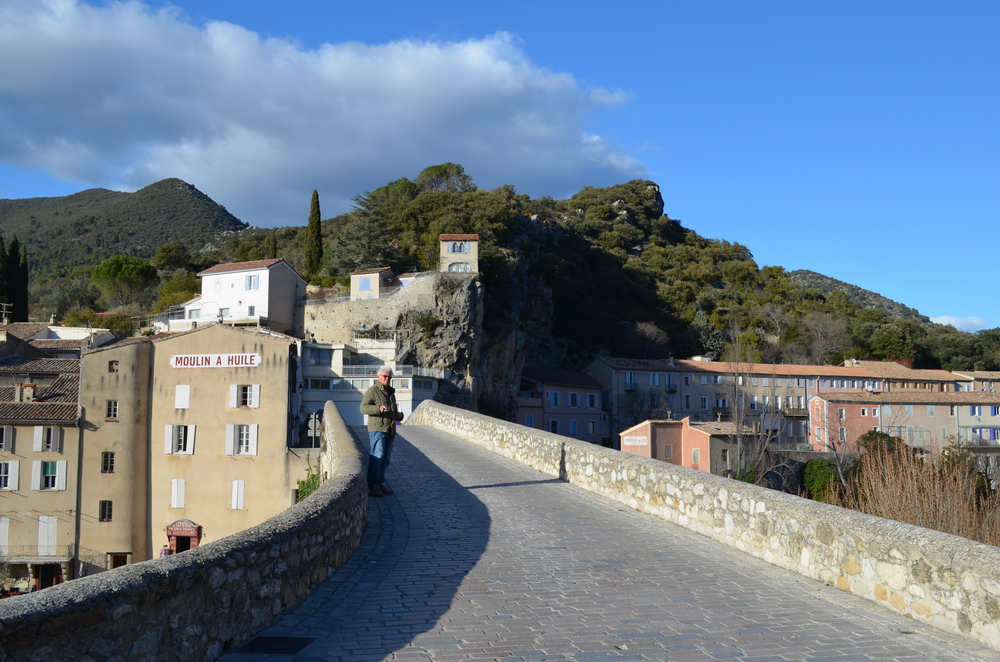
[215, 360]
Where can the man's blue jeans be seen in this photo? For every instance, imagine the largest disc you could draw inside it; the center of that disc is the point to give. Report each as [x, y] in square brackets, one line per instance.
[378, 460]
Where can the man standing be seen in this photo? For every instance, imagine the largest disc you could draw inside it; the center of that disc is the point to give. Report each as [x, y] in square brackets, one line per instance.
[379, 404]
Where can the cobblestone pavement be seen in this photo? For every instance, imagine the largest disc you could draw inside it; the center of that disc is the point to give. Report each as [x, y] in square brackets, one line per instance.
[476, 557]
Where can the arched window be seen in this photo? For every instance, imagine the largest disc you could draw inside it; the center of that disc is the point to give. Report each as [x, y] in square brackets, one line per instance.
[460, 247]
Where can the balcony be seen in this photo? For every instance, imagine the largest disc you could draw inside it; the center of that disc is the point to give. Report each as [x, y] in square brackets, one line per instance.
[36, 553]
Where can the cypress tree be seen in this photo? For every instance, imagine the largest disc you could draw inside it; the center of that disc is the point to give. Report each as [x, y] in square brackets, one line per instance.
[271, 245]
[4, 289]
[313, 256]
[21, 292]
[12, 272]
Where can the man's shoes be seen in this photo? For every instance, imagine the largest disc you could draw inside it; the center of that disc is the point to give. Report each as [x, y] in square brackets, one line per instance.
[385, 489]
[376, 491]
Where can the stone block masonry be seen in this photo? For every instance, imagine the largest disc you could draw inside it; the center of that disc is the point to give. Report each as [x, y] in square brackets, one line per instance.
[199, 603]
[949, 582]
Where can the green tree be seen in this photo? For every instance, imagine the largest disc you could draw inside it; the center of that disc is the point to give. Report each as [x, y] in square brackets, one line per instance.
[445, 177]
[363, 244]
[313, 256]
[124, 280]
[119, 324]
[271, 245]
[172, 255]
[17, 280]
[182, 287]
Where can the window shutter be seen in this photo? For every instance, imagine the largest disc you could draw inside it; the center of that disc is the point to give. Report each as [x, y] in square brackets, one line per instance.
[182, 396]
[177, 493]
[253, 439]
[36, 474]
[39, 432]
[57, 439]
[230, 439]
[8, 439]
[255, 396]
[168, 439]
[190, 444]
[14, 468]
[234, 396]
[238, 487]
[61, 475]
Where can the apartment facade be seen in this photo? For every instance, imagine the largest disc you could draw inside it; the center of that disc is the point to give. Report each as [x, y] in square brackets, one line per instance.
[562, 401]
[704, 446]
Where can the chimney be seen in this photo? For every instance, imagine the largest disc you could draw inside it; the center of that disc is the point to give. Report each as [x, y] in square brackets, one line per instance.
[17, 392]
[29, 393]
[52, 318]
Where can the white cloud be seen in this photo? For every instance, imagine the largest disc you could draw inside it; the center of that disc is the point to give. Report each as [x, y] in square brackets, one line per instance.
[122, 96]
[962, 323]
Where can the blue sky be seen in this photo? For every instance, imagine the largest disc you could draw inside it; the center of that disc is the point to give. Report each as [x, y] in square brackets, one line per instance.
[856, 139]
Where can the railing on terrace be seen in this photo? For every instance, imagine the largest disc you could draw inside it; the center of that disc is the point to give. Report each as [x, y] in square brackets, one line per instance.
[372, 370]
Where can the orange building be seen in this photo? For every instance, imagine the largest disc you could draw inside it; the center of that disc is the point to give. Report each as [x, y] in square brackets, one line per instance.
[705, 446]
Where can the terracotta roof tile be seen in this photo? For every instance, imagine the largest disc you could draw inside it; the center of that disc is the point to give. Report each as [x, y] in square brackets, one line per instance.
[561, 377]
[458, 237]
[38, 411]
[915, 396]
[18, 364]
[24, 330]
[376, 270]
[241, 266]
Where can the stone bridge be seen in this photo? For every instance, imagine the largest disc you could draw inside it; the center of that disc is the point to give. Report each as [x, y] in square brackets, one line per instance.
[529, 546]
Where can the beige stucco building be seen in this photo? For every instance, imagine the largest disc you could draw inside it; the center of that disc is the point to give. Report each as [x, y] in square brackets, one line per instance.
[459, 253]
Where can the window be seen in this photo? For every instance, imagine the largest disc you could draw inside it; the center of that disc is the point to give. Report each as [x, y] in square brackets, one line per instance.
[668, 451]
[704, 379]
[459, 247]
[653, 400]
[716, 379]
[753, 402]
[654, 379]
[554, 398]
[875, 412]
[244, 395]
[241, 440]
[529, 420]
[107, 462]
[111, 411]
[238, 488]
[48, 438]
[687, 380]
[574, 400]
[320, 357]
[319, 384]
[251, 311]
[930, 410]
[252, 282]
[194, 314]
[799, 402]
[112, 366]
[725, 458]
[704, 401]
[554, 426]
[177, 493]
[591, 428]
[843, 434]
[572, 428]
[179, 439]
[909, 410]
[798, 381]
[48, 475]
[591, 401]
[687, 401]
[765, 381]
[864, 411]
[888, 410]
[6, 439]
[224, 313]
[105, 511]
[364, 284]
[182, 396]
[8, 475]
[695, 455]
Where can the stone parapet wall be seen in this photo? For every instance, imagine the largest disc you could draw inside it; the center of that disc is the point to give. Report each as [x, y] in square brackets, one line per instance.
[949, 582]
[199, 603]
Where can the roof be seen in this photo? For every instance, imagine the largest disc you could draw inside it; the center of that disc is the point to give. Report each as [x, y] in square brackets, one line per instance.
[978, 374]
[21, 364]
[458, 237]
[893, 370]
[561, 377]
[24, 330]
[376, 270]
[242, 266]
[915, 397]
[57, 402]
[59, 343]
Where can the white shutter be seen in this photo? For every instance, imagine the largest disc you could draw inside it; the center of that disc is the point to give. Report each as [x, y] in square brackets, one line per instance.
[4, 534]
[238, 487]
[36, 474]
[8, 439]
[253, 439]
[14, 469]
[190, 441]
[47, 535]
[61, 475]
[182, 396]
[230, 439]
[39, 432]
[168, 439]
[234, 396]
[255, 396]
[177, 493]
[57, 439]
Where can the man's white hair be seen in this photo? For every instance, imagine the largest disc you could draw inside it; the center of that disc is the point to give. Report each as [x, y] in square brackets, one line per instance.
[384, 368]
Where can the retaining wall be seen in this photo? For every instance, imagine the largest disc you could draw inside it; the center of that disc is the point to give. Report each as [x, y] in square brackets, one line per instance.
[949, 582]
[197, 604]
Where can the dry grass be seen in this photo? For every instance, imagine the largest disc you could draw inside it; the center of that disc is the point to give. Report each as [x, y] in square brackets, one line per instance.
[932, 493]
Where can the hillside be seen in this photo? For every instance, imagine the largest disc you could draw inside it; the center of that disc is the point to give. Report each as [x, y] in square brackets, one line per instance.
[862, 297]
[85, 228]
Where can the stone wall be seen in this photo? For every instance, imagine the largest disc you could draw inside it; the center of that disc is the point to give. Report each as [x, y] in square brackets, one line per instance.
[949, 582]
[199, 603]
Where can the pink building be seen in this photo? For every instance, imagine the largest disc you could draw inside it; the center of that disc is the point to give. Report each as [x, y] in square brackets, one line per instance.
[705, 446]
[561, 401]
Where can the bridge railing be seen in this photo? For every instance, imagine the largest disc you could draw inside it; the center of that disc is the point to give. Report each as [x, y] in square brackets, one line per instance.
[199, 603]
[945, 581]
